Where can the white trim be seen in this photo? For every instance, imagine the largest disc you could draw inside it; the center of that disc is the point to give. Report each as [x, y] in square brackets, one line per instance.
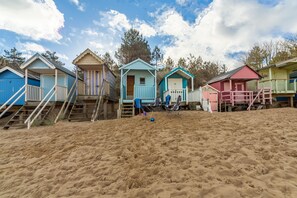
[131, 63]
[181, 71]
[152, 73]
[26, 84]
[35, 57]
[12, 70]
[126, 72]
[155, 83]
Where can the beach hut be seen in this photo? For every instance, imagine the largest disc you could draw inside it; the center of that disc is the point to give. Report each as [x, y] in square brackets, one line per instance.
[56, 81]
[97, 90]
[138, 80]
[281, 77]
[234, 92]
[11, 81]
[209, 98]
[175, 83]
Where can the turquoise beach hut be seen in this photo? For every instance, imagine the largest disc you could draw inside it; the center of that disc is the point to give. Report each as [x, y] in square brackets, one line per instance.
[138, 80]
[176, 83]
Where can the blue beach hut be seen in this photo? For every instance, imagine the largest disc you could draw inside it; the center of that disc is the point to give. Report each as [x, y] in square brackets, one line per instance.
[11, 81]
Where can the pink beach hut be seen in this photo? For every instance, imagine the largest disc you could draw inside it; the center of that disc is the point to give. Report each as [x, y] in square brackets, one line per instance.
[234, 92]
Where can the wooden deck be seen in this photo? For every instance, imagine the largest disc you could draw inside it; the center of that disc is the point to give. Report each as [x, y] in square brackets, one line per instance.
[245, 98]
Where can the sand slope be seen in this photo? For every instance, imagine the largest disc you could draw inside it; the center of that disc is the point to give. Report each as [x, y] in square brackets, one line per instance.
[195, 154]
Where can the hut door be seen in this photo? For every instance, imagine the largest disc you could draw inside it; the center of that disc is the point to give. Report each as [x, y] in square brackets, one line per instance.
[240, 95]
[239, 86]
[130, 86]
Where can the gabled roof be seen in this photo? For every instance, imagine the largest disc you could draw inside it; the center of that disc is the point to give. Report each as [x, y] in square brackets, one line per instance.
[183, 72]
[48, 62]
[138, 60]
[211, 87]
[88, 51]
[19, 72]
[187, 75]
[84, 53]
[229, 74]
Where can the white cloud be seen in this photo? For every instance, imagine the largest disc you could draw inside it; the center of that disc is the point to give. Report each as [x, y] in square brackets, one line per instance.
[118, 22]
[96, 45]
[89, 32]
[35, 19]
[30, 48]
[227, 27]
[182, 2]
[63, 56]
[114, 20]
[80, 6]
[144, 28]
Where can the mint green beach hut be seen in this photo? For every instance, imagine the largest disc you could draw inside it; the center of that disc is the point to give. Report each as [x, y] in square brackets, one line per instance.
[138, 80]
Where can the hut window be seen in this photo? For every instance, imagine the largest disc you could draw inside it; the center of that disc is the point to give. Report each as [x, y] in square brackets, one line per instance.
[142, 81]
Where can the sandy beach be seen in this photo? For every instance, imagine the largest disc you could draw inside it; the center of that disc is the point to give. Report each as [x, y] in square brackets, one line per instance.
[193, 154]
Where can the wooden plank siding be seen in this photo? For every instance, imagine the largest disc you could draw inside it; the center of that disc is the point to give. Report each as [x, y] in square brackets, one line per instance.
[92, 79]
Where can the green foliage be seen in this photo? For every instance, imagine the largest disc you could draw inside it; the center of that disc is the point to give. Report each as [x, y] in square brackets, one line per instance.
[169, 63]
[271, 52]
[13, 57]
[182, 62]
[109, 61]
[3, 62]
[157, 55]
[133, 46]
[202, 70]
[52, 57]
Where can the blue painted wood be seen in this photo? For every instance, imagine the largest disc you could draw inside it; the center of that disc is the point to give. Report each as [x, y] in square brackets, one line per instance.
[48, 81]
[38, 64]
[10, 83]
[149, 82]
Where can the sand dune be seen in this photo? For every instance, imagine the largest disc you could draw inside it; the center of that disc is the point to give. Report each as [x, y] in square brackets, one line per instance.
[195, 154]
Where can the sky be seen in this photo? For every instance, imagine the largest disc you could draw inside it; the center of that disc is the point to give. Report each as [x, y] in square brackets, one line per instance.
[218, 30]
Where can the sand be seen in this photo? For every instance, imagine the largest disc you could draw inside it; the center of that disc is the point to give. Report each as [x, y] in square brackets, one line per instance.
[194, 154]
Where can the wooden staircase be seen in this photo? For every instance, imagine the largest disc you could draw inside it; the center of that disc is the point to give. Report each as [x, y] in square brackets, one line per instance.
[262, 97]
[127, 110]
[81, 110]
[19, 117]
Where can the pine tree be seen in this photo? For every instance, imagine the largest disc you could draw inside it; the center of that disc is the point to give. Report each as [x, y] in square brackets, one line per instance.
[157, 55]
[13, 57]
[52, 57]
[133, 46]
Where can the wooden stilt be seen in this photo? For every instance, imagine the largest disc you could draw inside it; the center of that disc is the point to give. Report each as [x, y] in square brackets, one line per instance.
[292, 101]
[105, 109]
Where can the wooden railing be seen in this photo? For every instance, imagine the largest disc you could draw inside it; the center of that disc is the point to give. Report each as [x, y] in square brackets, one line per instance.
[144, 92]
[16, 97]
[196, 95]
[68, 100]
[61, 93]
[174, 93]
[43, 103]
[279, 85]
[236, 97]
[34, 93]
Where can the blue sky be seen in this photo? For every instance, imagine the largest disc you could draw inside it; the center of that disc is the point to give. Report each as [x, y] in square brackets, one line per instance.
[217, 30]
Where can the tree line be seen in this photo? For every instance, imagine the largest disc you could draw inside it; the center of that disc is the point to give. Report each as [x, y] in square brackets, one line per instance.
[15, 58]
[268, 53]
